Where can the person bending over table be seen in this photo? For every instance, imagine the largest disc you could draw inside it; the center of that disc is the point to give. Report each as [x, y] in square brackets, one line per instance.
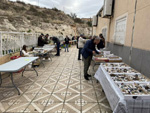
[57, 42]
[87, 52]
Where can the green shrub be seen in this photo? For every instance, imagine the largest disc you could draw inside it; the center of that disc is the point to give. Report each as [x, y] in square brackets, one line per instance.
[21, 2]
[55, 9]
[28, 17]
[4, 6]
[29, 31]
[89, 23]
[32, 9]
[78, 20]
[18, 9]
[11, 19]
[46, 20]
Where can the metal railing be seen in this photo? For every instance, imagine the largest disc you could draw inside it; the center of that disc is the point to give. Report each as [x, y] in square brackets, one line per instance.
[13, 41]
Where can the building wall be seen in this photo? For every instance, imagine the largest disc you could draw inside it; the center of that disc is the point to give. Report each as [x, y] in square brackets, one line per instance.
[141, 43]
[94, 30]
[142, 25]
[102, 23]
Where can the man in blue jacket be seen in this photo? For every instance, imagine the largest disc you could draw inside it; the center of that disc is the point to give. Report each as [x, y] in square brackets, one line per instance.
[87, 52]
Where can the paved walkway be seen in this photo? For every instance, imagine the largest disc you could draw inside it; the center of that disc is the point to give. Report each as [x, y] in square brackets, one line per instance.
[59, 88]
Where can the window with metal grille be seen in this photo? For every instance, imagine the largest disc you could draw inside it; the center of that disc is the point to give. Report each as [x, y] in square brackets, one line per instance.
[104, 32]
[120, 30]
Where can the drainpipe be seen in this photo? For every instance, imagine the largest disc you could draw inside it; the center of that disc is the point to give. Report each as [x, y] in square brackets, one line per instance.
[132, 37]
[92, 30]
[108, 33]
[0, 43]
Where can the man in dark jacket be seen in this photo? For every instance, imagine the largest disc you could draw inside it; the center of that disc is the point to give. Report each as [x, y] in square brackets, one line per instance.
[56, 40]
[41, 40]
[87, 52]
[77, 41]
[46, 38]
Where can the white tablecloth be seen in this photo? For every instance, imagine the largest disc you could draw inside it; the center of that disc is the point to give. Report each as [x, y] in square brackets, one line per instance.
[115, 97]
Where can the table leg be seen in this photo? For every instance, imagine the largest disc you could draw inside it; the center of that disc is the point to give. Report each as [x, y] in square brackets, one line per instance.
[11, 76]
[50, 57]
[41, 62]
[94, 66]
[35, 71]
[23, 71]
[0, 79]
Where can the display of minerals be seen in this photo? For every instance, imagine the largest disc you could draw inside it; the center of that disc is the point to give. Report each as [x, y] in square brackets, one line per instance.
[120, 77]
[138, 77]
[146, 87]
[129, 77]
[113, 57]
[115, 65]
[129, 81]
[120, 70]
[131, 89]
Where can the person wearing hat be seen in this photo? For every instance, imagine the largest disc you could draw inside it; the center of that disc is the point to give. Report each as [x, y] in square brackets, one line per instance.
[81, 42]
[41, 40]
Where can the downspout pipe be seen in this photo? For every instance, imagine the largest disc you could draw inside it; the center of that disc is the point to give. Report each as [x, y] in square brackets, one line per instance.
[132, 37]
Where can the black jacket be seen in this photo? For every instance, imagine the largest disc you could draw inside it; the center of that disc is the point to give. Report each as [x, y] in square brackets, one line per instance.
[56, 40]
[41, 41]
[101, 44]
[88, 49]
[67, 40]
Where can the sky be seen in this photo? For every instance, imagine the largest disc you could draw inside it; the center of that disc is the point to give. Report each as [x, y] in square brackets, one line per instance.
[83, 8]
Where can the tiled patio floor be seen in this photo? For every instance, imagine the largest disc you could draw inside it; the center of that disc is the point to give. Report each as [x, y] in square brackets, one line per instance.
[59, 88]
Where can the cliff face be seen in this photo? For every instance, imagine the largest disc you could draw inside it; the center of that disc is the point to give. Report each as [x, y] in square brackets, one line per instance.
[18, 16]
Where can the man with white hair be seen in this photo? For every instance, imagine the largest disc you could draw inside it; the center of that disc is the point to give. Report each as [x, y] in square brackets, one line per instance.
[87, 52]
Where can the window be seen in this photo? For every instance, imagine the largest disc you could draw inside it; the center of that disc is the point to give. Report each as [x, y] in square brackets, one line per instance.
[120, 30]
[104, 32]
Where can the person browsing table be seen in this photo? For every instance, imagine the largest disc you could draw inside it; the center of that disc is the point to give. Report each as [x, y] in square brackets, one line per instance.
[87, 52]
[57, 42]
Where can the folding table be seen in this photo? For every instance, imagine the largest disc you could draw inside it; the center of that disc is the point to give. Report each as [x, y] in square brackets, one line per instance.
[16, 65]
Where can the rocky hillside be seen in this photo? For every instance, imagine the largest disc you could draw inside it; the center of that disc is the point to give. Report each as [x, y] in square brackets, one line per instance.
[18, 16]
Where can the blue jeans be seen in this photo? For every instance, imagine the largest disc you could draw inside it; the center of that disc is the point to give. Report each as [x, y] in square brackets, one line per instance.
[79, 53]
[66, 47]
[58, 51]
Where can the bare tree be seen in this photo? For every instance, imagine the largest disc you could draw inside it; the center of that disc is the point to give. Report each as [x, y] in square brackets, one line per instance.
[73, 15]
